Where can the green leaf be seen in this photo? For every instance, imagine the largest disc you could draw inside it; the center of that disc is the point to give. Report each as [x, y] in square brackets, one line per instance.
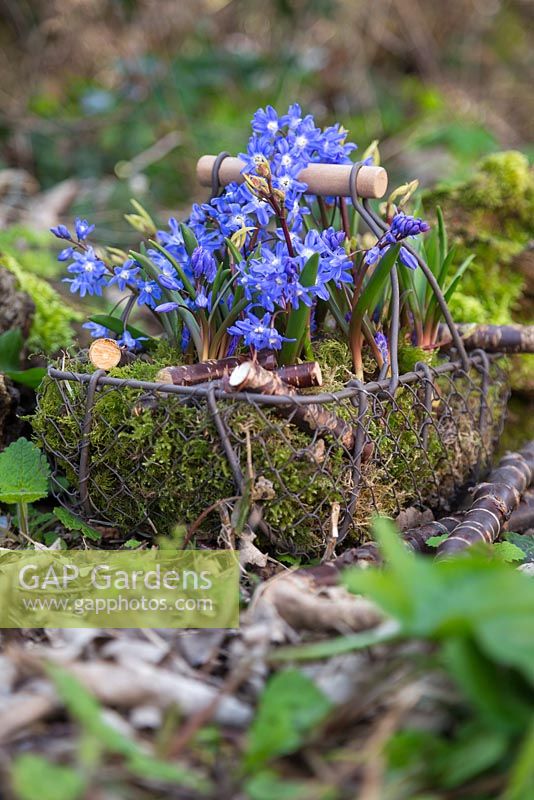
[73, 523]
[507, 551]
[35, 778]
[24, 473]
[524, 542]
[267, 785]
[375, 285]
[11, 343]
[27, 377]
[484, 599]
[337, 645]
[291, 706]
[190, 240]
[10, 348]
[116, 325]
[442, 235]
[87, 711]
[299, 319]
[435, 541]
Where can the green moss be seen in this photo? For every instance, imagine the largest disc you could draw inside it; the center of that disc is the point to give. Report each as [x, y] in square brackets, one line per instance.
[491, 215]
[32, 249]
[157, 460]
[51, 328]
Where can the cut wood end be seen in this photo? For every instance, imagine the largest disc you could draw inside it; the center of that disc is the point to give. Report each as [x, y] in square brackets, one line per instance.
[240, 374]
[105, 354]
[163, 376]
[318, 375]
[372, 182]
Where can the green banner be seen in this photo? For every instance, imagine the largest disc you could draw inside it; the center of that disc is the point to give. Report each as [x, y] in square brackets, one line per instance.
[119, 589]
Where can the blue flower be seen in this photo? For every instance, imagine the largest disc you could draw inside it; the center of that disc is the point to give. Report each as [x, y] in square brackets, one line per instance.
[266, 122]
[402, 226]
[97, 331]
[83, 229]
[408, 259]
[128, 341]
[65, 254]
[203, 264]
[149, 292]
[258, 333]
[62, 232]
[258, 150]
[202, 300]
[382, 344]
[124, 275]
[165, 308]
[90, 272]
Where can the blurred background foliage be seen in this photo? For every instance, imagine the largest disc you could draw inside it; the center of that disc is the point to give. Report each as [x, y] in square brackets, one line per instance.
[124, 95]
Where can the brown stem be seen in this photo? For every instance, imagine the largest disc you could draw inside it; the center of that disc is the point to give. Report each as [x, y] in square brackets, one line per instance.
[344, 216]
[312, 417]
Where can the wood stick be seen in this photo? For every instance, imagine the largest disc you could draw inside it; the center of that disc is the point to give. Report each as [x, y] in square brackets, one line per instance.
[493, 502]
[369, 554]
[522, 519]
[302, 376]
[106, 354]
[322, 179]
[299, 376]
[491, 338]
[251, 377]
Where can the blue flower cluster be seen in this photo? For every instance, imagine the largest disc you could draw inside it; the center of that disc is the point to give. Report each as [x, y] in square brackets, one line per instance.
[402, 226]
[253, 242]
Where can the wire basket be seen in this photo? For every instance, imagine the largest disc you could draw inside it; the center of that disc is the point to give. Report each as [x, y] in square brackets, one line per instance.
[141, 457]
[173, 454]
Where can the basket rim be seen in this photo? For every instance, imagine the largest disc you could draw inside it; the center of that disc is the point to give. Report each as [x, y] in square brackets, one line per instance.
[476, 359]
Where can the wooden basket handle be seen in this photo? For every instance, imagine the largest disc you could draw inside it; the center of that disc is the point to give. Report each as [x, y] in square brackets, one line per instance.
[322, 179]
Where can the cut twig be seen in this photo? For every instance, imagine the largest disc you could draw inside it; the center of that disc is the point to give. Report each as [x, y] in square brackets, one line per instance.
[106, 354]
[299, 376]
[311, 417]
[492, 338]
[493, 502]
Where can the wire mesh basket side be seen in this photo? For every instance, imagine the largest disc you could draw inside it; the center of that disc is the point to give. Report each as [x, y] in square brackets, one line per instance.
[141, 459]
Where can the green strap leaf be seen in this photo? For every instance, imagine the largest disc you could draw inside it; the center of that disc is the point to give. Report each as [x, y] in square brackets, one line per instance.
[298, 321]
[190, 240]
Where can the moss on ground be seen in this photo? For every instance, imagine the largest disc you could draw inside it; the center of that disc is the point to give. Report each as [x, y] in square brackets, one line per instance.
[492, 216]
[51, 327]
[157, 460]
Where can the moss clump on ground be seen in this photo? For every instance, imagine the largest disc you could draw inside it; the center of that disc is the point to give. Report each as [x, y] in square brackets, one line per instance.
[157, 460]
[51, 328]
[492, 216]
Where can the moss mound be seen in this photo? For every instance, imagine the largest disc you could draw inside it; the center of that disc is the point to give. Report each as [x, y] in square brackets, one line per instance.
[157, 460]
[491, 215]
[51, 327]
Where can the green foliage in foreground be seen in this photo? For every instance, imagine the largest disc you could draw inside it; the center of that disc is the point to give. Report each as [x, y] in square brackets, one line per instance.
[477, 614]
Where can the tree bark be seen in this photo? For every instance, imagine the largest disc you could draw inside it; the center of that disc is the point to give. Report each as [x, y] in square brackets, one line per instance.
[491, 338]
[493, 502]
[16, 307]
[251, 377]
